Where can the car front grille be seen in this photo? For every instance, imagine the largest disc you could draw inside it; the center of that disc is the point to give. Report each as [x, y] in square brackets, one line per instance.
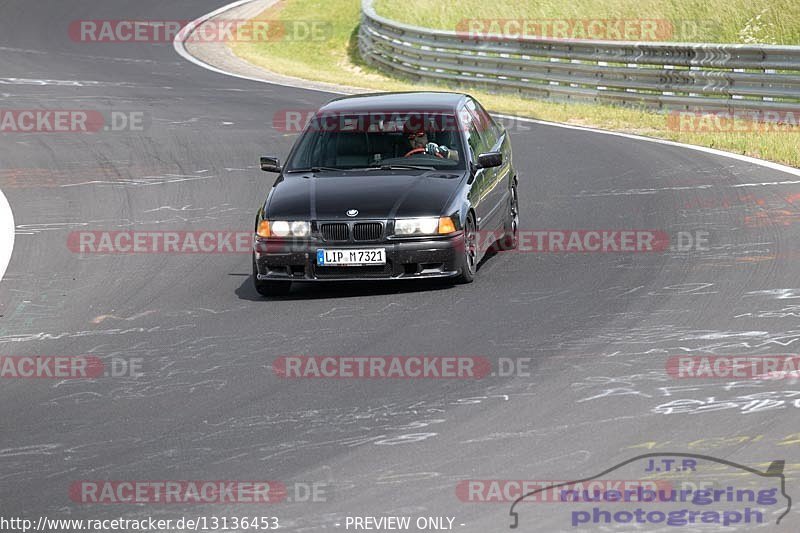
[361, 231]
[337, 231]
[367, 231]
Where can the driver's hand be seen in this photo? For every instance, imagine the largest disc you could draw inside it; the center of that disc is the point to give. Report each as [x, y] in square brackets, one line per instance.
[433, 149]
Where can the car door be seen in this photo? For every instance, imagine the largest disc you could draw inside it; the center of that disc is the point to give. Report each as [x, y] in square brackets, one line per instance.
[503, 175]
[479, 181]
[493, 193]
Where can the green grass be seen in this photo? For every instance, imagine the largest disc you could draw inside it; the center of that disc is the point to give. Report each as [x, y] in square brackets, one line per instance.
[719, 21]
[336, 60]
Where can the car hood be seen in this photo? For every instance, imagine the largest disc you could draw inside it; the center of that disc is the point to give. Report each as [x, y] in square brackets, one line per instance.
[376, 195]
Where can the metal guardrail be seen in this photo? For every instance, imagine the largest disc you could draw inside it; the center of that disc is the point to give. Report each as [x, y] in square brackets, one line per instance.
[689, 76]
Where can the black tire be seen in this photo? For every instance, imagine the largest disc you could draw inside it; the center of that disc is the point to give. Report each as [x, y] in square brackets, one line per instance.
[469, 261]
[510, 239]
[269, 288]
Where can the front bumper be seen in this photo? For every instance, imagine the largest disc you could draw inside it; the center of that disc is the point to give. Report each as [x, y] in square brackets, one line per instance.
[435, 257]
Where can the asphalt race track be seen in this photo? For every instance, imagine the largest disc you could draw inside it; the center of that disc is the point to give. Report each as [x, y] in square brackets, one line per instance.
[598, 327]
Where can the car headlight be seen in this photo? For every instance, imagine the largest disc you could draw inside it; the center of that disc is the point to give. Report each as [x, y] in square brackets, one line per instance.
[283, 228]
[424, 226]
[300, 229]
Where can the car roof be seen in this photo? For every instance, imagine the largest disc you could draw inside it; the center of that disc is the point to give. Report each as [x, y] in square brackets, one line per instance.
[398, 102]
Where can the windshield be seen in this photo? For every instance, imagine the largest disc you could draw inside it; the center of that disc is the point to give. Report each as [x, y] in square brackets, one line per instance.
[347, 142]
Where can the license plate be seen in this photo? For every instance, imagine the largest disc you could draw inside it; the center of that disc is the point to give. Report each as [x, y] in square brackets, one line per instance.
[372, 256]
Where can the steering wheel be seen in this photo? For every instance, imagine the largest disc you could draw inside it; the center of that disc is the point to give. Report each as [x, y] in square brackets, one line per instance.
[420, 151]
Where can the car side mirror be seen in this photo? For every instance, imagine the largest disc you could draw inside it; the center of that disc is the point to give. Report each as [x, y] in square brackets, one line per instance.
[270, 164]
[490, 160]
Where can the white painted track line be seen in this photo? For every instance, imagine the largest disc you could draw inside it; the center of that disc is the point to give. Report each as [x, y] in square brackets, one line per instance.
[6, 234]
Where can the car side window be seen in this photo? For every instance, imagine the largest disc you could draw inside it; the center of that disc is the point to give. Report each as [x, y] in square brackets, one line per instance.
[494, 128]
[484, 123]
[477, 145]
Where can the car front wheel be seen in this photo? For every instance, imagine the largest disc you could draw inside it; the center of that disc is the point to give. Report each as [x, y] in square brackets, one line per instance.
[469, 263]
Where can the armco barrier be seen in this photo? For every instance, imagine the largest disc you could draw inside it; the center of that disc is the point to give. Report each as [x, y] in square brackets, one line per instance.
[687, 76]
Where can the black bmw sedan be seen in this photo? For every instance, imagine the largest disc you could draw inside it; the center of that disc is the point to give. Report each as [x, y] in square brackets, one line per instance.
[388, 186]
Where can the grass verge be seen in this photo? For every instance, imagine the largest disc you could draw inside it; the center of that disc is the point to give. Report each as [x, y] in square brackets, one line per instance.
[708, 21]
[335, 59]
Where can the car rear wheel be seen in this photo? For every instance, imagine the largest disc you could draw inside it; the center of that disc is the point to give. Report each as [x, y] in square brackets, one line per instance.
[510, 239]
[269, 288]
[470, 260]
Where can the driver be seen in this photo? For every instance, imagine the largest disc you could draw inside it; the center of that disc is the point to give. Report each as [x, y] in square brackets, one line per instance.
[419, 144]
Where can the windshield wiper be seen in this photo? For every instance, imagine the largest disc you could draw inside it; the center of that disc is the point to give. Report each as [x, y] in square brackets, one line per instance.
[316, 169]
[400, 167]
